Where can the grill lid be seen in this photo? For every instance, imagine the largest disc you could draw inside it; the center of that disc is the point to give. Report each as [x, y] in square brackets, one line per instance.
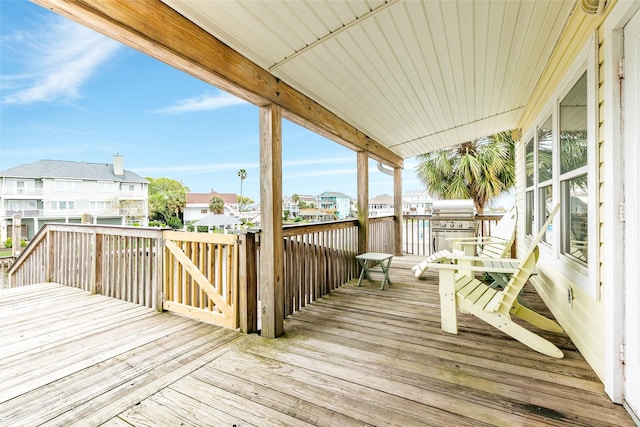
[463, 208]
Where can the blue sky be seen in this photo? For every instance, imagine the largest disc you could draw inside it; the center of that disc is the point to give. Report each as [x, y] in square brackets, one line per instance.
[68, 93]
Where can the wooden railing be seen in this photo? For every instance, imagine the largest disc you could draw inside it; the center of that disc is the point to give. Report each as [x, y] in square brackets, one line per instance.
[381, 234]
[193, 274]
[201, 276]
[5, 264]
[210, 277]
[123, 263]
[317, 259]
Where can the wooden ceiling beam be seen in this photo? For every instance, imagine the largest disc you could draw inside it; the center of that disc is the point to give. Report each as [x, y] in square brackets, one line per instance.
[153, 28]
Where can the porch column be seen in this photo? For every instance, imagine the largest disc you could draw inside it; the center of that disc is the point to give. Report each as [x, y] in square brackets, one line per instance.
[397, 207]
[363, 202]
[271, 243]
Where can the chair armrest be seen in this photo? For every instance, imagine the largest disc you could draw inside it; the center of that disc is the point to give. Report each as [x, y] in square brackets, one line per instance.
[484, 260]
[477, 239]
[483, 243]
[474, 268]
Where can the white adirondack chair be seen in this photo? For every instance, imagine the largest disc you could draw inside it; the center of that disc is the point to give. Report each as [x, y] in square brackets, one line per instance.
[498, 245]
[496, 306]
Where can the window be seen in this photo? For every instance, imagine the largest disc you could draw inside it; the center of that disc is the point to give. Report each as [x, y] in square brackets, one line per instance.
[557, 162]
[68, 185]
[530, 213]
[539, 179]
[105, 187]
[574, 171]
[62, 205]
[97, 206]
[560, 165]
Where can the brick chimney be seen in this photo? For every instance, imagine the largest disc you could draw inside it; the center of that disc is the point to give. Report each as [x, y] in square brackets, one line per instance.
[118, 165]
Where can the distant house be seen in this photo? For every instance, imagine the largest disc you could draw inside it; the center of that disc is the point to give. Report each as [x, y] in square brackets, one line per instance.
[314, 214]
[217, 221]
[416, 202]
[64, 191]
[334, 201]
[197, 205]
[306, 201]
[381, 205]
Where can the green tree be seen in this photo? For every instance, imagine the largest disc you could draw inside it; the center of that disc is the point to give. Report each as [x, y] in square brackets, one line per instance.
[242, 173]
[216, 205]
[480, 170]
[244, 201]
[167, 199]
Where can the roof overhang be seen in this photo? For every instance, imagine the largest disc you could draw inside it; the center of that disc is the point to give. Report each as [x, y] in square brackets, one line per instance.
[394, 78]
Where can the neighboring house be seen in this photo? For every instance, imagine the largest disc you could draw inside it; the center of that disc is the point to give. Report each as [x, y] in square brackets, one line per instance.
[319, 215]
[381, 205]
[64, 191]
[334, 201]
[294, 207]
[217, 222]
[289, 205]
[197, 205]
[416, 202]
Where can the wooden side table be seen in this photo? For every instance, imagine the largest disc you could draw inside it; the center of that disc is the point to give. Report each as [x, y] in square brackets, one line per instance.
[383, 260]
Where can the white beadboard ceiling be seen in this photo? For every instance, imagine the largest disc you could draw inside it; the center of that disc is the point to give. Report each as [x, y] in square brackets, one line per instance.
[413, 75]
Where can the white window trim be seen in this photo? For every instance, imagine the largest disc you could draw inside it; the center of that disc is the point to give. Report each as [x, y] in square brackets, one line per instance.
[585, 277]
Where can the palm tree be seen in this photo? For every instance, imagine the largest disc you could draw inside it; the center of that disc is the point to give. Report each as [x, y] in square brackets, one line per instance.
[480, 170]
[216, 205]
[242, 173]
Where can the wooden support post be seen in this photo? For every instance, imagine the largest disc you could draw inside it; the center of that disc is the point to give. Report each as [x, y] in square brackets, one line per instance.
[94, 261]
[98, 253]
[363, 202]
[16, 234]
[271, 243]
[51, 256]
[248, 284]
[397, 207]
[157, 283]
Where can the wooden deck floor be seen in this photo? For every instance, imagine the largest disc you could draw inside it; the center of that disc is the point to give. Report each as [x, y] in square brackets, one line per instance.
[359, 356]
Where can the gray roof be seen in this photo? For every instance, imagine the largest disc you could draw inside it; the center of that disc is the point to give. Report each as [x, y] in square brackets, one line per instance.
[70, 170]
[217, 219]
[333, 194]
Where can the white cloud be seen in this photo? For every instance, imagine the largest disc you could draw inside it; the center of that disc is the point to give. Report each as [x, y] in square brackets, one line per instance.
[202, 103]
[57, 61]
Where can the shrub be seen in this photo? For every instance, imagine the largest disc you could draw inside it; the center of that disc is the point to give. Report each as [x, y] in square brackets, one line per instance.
[175, 223]
[8, 243]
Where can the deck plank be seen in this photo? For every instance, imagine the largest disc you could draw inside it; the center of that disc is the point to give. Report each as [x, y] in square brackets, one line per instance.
[359, 356]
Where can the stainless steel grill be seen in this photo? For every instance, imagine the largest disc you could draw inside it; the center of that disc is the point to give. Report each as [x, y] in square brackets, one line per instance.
[451, 219]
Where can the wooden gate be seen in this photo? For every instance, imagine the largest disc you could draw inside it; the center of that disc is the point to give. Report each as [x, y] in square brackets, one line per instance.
[201, 276]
